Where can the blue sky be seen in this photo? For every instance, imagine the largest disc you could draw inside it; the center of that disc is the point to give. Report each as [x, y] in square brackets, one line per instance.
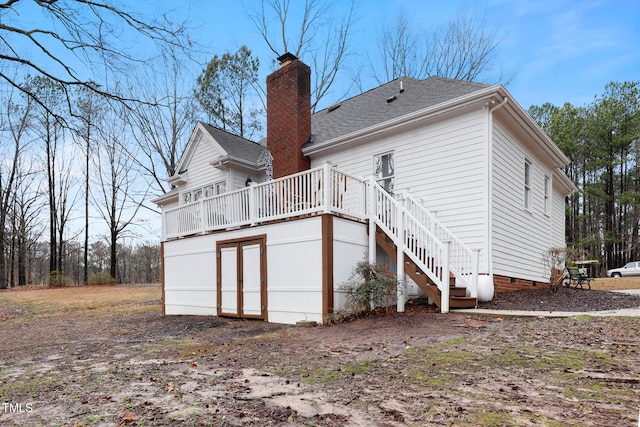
[557, 51]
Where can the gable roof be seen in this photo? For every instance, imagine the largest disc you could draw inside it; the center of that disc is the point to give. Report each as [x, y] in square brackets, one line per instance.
[391, 100]
[233, 148]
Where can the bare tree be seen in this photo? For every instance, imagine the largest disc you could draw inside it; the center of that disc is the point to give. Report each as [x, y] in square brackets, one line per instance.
[398, 49]
[27, 229]
[90, 108]
[91, 32]
[146, 259]
[50, 131]
[98, 256]
[462, 49]
[317, 34]
[116, 197]
[160, 128]
[15, 120]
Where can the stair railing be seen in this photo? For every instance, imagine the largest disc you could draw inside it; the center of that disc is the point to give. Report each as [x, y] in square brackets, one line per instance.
[463, 261]
[412, 239]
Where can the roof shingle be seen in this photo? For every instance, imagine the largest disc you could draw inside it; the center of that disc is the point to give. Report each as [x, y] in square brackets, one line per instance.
[236, 146]
[384, 103]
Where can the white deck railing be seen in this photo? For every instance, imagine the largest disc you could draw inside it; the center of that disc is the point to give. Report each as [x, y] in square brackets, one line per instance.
[322, 189]
[327, 190]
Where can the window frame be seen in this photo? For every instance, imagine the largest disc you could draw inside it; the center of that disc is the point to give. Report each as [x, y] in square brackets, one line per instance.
[383, 179]
[528, 178]
[547, 195]
[217, 186]
[210, 190]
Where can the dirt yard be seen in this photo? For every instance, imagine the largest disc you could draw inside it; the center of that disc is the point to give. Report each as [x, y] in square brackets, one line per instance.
[105, 356]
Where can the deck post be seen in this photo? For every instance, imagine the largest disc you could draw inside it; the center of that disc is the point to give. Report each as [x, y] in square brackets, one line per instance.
[201, 212]
[446, 274]
[372, 220]
[400, 245]
[327, 187]
[253, 205]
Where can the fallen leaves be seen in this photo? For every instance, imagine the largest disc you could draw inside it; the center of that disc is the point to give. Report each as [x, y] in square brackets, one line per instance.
[127, 419]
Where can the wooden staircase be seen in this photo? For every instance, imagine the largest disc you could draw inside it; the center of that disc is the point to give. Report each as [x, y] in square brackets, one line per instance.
[457, 295]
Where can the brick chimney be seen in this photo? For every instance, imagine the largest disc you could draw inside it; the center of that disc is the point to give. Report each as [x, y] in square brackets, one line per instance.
[289, 115]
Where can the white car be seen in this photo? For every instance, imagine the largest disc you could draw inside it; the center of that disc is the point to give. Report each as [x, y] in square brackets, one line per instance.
[630, 269]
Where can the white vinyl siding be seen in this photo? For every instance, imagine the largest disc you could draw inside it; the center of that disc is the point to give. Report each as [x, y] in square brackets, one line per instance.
[200, 172]
[520, 236]
[441, 163]
[294, 268]
[558, 225]
[238, 179]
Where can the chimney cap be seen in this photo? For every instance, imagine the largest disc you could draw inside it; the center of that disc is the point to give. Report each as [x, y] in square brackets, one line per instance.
[286, 58]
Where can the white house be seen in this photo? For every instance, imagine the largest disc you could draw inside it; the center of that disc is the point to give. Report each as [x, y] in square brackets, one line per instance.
[448, 182]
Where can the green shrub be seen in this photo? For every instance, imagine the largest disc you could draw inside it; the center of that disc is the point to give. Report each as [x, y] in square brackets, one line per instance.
[101, 278]
[58, 278]
[369, 286]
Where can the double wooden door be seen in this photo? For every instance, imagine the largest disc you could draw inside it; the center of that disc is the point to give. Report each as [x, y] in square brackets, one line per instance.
[241, 278]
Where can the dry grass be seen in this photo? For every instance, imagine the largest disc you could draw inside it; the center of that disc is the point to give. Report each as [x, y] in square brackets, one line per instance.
[83, 300]
[615, 283]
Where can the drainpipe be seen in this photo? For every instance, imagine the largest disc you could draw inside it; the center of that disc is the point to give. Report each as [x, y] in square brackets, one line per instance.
[491, 107]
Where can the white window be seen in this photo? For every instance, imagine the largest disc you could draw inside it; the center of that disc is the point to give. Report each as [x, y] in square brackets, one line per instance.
[221, 187]
[186, 197]
[384, 170]
[206, 191]
[527, 184]
[547, 195]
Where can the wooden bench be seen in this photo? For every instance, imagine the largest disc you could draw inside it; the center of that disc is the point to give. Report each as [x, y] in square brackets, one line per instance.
[577, 278]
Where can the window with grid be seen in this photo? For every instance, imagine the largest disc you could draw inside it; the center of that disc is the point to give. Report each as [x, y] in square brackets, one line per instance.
[384, 170]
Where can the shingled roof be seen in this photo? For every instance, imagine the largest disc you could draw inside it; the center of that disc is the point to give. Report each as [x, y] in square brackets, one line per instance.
[375, 106]
[236, 146]
[384, 103]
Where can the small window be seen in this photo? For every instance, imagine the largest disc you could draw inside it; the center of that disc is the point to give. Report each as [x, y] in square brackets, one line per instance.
[221, 187]
[197, 194]
[384, 169]
[208, 191]
[527, 184]
[186, 198]
[547, 195]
